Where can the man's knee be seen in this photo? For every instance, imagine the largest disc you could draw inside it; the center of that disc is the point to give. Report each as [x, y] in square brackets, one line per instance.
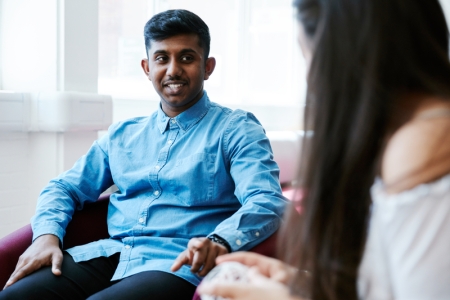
[37, 285]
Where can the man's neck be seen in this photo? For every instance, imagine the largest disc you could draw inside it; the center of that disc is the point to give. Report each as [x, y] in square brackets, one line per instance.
[173, 111]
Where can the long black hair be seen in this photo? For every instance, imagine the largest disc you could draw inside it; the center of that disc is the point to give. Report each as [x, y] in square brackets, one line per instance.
[365, 53]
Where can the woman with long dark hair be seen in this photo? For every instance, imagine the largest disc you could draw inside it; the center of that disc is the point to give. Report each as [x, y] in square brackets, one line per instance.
[375, 216]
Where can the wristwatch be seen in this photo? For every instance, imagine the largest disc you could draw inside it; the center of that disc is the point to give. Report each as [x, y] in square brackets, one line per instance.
[217, 239]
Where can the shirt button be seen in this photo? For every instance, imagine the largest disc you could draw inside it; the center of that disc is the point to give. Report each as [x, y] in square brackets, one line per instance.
[127, 247]
[169, 142]
[156, 167]
[257, 233]
[238, 242]
[141, 220]
[173, 121]
[156, 193]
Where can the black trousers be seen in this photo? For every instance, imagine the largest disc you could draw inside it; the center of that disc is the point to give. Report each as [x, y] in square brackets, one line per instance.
[92, 280]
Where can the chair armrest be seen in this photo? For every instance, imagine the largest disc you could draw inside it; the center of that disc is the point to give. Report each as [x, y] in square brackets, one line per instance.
[267, 247]
[11, 247]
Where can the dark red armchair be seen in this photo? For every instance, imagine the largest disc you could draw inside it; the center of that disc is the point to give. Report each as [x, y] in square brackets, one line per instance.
[87, 225]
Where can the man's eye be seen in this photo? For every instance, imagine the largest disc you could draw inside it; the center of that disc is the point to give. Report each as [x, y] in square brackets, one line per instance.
[160, 58]
[187, 58]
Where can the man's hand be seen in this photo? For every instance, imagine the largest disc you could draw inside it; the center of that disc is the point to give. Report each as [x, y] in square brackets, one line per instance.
[201, 254]
[44, 251]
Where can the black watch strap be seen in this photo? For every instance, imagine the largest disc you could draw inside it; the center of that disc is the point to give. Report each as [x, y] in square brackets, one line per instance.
[217, 239]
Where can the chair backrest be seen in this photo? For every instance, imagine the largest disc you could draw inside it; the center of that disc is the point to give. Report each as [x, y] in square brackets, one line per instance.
[88, 224]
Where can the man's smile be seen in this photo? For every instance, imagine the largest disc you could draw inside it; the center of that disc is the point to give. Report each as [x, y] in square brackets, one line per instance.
[174, 87]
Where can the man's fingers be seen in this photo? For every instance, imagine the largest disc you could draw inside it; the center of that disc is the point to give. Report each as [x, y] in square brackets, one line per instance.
[196, 243]
[44, 251]
[20, 273]
[19, 266]
[200, 254]
[199, 259]
[181, 260]
[56, 264]
[209, 262]
[186, 257]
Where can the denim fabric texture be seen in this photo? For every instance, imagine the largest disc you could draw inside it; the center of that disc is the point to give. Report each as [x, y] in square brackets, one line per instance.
[209, 170]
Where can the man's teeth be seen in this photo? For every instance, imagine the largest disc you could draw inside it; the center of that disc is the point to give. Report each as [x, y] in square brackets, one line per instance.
[174, 86]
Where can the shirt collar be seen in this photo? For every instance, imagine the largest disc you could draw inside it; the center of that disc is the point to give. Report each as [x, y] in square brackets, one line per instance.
[187, 118]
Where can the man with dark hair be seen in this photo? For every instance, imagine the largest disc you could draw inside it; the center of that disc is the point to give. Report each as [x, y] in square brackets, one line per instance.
[174, 22]
[196, 180]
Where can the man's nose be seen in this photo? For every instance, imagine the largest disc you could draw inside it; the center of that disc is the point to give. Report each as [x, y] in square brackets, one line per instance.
[174, 68]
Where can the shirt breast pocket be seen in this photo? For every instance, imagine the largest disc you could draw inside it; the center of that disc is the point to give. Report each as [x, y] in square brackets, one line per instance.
[195, 182]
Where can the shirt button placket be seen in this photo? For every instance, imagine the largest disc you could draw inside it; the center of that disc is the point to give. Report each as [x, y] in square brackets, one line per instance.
[156, 193]
[162, 157]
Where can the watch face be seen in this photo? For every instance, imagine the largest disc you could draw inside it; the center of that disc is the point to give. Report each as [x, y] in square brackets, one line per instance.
[226, 272]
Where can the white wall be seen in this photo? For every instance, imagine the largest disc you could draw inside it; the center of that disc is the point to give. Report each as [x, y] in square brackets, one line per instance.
[80, 47]
[49, 45]
[29, 45]
[15, 208]
[45, 46]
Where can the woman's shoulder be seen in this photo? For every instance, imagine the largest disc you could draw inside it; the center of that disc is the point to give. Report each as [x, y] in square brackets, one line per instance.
[419, 151]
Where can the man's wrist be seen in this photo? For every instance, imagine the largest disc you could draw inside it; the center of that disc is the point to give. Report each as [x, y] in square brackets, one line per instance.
[217, 239]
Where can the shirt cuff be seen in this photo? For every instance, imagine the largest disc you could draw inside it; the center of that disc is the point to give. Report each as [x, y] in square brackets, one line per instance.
[48, 228]
[239, 240]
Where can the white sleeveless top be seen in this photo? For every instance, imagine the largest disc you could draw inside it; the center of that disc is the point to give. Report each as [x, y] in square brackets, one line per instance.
[407, 254]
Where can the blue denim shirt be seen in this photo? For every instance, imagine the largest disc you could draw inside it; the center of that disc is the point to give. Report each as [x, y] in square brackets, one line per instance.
[207, 171]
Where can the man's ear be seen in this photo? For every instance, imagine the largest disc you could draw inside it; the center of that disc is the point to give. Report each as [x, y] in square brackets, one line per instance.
[145, 67]
[209, 67]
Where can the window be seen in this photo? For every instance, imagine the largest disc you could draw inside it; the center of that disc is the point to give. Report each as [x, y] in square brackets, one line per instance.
[259, 64]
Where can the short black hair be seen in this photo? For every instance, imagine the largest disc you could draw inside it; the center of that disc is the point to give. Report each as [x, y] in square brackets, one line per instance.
[174, 22]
